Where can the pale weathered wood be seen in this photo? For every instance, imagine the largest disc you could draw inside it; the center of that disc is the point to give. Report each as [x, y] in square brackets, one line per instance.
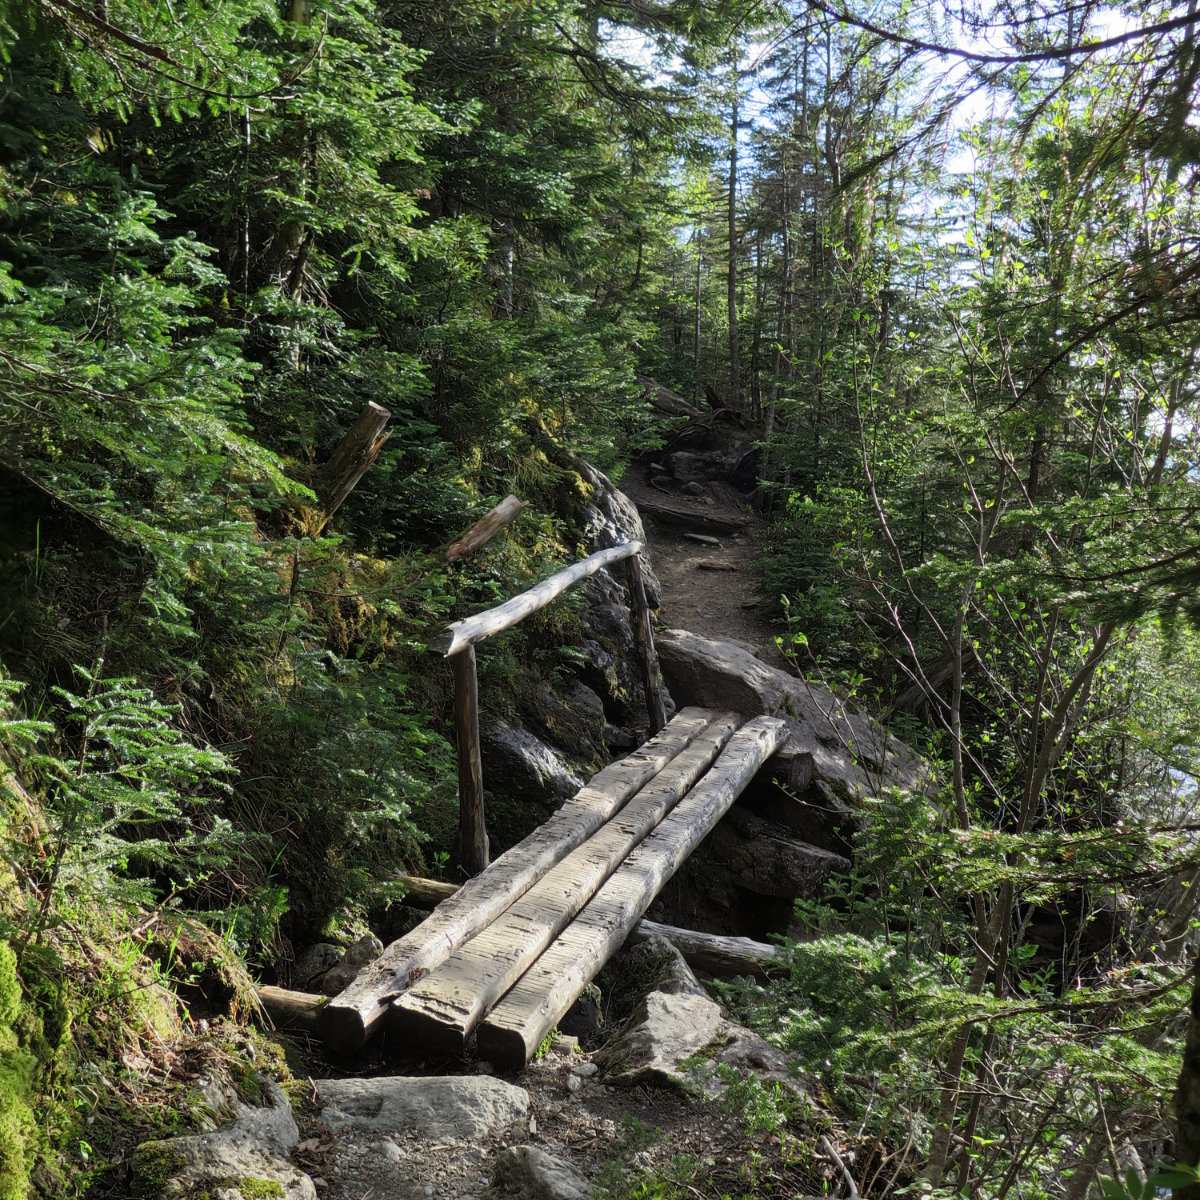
[352, 457]
[643, 636]
[472, 848]
[483, 625]
[709, 952]
[293, 1010]
[485, 528]
[443, 1008]
[355, 1014]
[516, 1026]
[712, 953]
[424, 893]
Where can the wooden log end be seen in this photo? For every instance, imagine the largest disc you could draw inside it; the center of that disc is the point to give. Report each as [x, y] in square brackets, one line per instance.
[344, 1028]
[416, 1027]
[293, 1010]
[504, 1048]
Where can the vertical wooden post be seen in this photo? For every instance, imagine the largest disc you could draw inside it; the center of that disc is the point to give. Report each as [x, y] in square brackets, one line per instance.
[643, 635]
[472, 824]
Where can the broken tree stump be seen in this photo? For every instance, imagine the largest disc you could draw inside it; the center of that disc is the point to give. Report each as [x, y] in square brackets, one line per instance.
[485, 528]
[352, 458]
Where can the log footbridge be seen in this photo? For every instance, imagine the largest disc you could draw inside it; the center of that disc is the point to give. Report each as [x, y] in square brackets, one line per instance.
[508, 953]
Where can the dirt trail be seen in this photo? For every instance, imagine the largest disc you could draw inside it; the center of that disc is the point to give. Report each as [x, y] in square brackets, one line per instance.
[707, 588]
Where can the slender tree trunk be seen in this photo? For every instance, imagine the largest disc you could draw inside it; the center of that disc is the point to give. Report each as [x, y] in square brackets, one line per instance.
[697, 382]
[735, 381]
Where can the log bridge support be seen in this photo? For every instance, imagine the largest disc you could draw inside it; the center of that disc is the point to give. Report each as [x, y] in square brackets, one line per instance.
[457, 642]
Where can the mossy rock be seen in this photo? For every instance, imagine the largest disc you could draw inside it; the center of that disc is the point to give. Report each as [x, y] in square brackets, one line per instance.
[155, 1164]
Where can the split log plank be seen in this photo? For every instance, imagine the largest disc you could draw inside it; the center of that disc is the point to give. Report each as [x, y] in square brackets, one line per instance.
[352, 458]
[516, 1026]
[355, 1014]
[485, 528]
[293, 1010]
[471, 630]
[712, 953]
[443, 1008]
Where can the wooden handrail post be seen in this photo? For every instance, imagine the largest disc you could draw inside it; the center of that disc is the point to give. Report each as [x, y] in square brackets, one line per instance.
[472, 823]
[643, 635]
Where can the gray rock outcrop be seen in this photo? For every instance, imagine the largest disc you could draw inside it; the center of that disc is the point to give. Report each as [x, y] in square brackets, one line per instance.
[679, 1036]
[851, 753]
[244, 1159]
[522, 764]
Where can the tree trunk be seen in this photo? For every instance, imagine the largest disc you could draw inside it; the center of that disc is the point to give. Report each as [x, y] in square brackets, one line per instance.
[735, 379]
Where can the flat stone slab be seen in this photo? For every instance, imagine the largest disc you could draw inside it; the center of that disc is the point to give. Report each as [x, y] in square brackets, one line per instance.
[439, 1106]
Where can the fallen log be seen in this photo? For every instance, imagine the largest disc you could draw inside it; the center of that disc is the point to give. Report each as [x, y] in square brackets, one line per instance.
[424, 893]
[293, 1010]
[517, 1025]
[443, 1008]
[485, 528]
[792, 771]
[712, 953]
[665, 400]
[355, 1014]
[691, 518]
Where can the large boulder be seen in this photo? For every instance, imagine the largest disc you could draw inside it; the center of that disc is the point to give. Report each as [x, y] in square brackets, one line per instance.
[678, 1035]
[852, 754]
[611, 519]
[610, 661]
[522, 765]
[529, 1173]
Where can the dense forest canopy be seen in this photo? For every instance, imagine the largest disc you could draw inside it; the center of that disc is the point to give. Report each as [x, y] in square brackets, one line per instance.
[942, 263]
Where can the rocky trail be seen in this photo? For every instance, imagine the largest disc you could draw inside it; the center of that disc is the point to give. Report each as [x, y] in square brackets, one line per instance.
[617, 1096]
[708, 586]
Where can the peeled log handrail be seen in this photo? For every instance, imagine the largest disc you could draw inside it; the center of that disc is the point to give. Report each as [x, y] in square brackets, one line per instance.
[470, 630]
[485, 528]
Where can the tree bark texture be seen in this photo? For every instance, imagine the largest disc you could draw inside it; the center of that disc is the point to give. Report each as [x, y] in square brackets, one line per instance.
[472, 849]
[352, 458]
